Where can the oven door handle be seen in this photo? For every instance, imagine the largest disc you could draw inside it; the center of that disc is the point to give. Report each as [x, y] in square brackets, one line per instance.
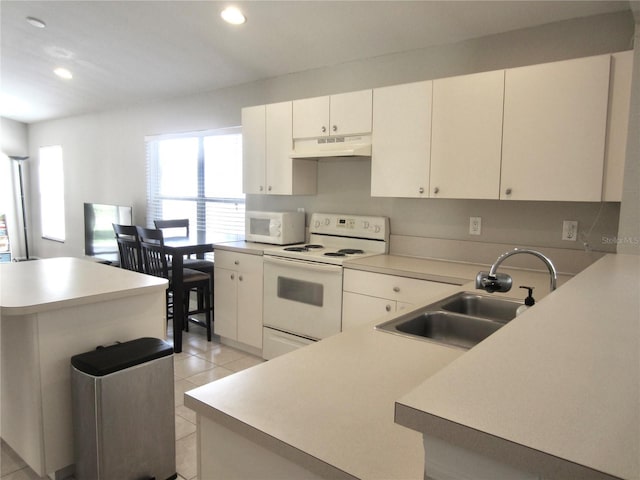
[290, 262]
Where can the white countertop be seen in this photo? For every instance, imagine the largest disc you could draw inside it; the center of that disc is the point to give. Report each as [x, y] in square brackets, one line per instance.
[240, 246]
[557, 389]
[333, 401]
[50, 283]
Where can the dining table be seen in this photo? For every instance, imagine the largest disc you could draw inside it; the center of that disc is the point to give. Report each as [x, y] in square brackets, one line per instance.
[198, 244]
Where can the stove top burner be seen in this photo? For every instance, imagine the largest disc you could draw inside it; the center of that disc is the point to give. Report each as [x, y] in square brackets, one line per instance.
[351, 251]
[313, 246]
[335, 254]
[295, 249]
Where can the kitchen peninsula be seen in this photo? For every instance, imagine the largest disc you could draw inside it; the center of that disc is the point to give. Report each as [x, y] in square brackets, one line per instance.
[51, 309]
[327, 410]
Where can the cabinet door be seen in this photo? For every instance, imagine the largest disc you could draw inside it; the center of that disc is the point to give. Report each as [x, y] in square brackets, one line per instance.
[358, 309]
[401, 140]
[250, 300]
[351, 113]
[617, 125]
[225, 300]
[311, 117]
[253, 149]
[555, 118]
[279, 145]
[466, 139]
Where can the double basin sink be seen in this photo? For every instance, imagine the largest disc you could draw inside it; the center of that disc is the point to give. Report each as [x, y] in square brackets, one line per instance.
[461, 320]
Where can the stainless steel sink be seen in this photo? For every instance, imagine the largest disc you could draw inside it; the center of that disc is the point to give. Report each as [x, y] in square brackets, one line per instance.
[462, 320]
[498, 309]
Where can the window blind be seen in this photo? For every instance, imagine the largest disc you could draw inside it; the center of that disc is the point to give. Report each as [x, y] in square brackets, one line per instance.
[197, 175]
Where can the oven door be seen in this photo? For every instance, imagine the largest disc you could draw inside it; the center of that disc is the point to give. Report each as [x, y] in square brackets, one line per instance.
[301, 297]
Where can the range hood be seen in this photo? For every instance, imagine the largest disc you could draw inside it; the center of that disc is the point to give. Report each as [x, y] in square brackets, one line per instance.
[327, 147]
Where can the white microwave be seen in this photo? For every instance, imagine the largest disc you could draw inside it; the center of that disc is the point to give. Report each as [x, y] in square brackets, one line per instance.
[278, 228]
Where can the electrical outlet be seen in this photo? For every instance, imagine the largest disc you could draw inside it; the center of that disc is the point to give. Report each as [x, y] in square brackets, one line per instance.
[475, 225]
[570, 230]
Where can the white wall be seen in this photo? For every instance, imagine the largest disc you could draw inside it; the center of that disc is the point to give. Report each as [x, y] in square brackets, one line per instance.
[105, 159]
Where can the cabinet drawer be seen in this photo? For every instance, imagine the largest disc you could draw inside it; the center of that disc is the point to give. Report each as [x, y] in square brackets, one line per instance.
[237, 261]
[402, 289]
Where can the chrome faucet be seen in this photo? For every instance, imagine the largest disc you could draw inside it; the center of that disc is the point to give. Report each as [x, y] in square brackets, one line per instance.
[501, 282]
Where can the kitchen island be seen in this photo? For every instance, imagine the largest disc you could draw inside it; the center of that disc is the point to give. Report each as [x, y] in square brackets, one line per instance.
[51, 309]
[327, 410]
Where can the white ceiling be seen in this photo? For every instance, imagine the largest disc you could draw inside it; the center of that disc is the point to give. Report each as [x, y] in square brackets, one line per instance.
[126, 52]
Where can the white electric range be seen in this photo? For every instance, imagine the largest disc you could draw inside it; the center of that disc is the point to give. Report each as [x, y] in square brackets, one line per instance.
[303, 283]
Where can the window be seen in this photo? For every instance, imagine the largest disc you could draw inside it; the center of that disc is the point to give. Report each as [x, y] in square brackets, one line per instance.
[51, 174]
[197, 176]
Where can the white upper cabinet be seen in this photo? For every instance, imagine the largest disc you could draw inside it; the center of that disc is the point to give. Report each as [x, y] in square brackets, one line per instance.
[335, 115]
[254, 152]
[279, 166]
[555, 120]
[617, 125]
[466, 136]
[267, 145]
[401, 140]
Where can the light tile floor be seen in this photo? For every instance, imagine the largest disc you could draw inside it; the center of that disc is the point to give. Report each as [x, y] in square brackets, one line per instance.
[200, 362]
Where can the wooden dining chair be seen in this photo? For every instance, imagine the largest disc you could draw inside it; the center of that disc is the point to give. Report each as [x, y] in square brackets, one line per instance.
[179, 228]
[156, 262]
[128, 247]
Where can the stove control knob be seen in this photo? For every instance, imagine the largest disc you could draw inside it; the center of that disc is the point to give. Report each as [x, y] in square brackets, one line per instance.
[327, 221]
[377, 229]
[317, 223]
[365, 225]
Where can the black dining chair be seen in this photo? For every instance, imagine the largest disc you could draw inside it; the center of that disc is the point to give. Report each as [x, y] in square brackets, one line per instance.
[156, 262]
[128, 247]
[179, 228]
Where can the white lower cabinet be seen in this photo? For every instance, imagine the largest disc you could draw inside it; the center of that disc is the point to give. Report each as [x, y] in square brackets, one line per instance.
[367, 296]
[445, 461]
[238, 297]
[224, 453]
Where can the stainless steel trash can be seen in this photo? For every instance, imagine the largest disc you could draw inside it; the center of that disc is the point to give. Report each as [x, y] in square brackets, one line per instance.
[123, 412]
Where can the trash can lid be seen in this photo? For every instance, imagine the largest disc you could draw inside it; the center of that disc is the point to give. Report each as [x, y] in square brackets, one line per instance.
[105, 360]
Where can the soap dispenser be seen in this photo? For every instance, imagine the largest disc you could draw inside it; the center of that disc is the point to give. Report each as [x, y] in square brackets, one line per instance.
[528, 302]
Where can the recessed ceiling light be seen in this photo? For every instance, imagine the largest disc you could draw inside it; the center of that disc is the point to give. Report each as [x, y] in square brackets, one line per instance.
[36, 22]
[233, 16]
[63, 73]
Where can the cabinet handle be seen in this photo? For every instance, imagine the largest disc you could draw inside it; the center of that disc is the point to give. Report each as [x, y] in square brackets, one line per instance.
[261, 188]
[388, 308]
[324, 129]
[396, 289]
[436, 190]
[236, 262]
[335, 128]
[233, 276]
[508, 191]
[421, 190]
[269, 188]
[240, 277]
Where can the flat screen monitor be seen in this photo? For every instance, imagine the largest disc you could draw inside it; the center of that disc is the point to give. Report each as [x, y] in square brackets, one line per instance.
[99, 239]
